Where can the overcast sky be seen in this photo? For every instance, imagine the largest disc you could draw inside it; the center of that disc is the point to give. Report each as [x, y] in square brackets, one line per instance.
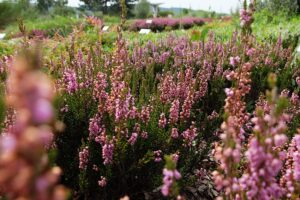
[215, 5]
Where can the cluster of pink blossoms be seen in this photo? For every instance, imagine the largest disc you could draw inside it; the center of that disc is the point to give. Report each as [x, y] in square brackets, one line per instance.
[246, 15]
[102, 182]
[70, 81]
[174, 112]
[190, 134]
[234, 61]
[24, 169]
[291, 172]
[169, 177]
[298, 80]
[157, 156]
[228, 154]
[83, 158]
[162, 121]
[265, 159]
[133, 138]
[108, 152]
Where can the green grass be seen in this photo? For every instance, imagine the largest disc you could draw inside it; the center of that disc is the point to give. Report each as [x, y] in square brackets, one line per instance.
[51, 25]
[265, 28]
[267, 25]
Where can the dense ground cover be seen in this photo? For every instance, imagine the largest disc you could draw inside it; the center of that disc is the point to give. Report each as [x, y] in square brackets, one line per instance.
[212, 111]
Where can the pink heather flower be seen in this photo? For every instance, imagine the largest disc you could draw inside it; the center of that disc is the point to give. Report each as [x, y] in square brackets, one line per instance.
[213, 115]
[145, 113]
[250, 52]
[132, 139]
[265, 155]
[167, 89]
[268, 61]
[157, 156]
[100, 84]
[83, 158]
[107, 152]
[95, 127]
[228, 92]
[296, 158]
[169, 177]
[162, 121]
[190, 134]
[65, 109]
[245, 17]
[229, 75]
[174, 133]
[228, 153]
[174, 112]
[187, 106]
[102, 182]
[42, 111]
[298, 80]
[144, 135]
[70, 81]
[295, 99]
[133, 113]
[280, 140]
[291, 172]
[234, 61]
[175, 157]
[25, 173]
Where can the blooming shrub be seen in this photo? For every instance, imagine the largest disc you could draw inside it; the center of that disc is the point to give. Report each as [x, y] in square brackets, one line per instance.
[198, 104]
[160, 24]
[25, 172]
[131, 107]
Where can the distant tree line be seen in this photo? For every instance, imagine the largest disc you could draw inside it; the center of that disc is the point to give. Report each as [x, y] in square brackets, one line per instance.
[289, 7]
[108, 6]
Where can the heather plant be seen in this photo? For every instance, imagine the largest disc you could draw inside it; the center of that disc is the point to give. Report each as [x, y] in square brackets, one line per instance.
[25, 172]
[127, 108]
[159, 24]
[130, 107]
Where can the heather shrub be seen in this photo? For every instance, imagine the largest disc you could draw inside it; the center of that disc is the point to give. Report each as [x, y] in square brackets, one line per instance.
[159, 24]
[165, 107]
[185, 117]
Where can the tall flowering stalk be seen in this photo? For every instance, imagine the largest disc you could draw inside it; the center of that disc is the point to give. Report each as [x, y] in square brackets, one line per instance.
[228, 152]
[170, 176]
[290, 180]
[24, 169]
[265, 153]
[246, 16]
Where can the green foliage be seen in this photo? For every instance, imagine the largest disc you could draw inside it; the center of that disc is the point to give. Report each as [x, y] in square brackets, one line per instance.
[288, 7]
[142, 9]
[61, 9]
[165, 13]
[11, 11]
[6, 48]
[51, 25]
[44, 5]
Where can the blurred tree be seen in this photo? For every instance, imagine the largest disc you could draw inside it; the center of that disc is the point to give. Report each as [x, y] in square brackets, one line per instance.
[108, 6]
[185, 11]
[10, 11]
[116, 8]
[288, 7]
[60, 3]
[97, 5]
[44, 5]
[142, 9]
